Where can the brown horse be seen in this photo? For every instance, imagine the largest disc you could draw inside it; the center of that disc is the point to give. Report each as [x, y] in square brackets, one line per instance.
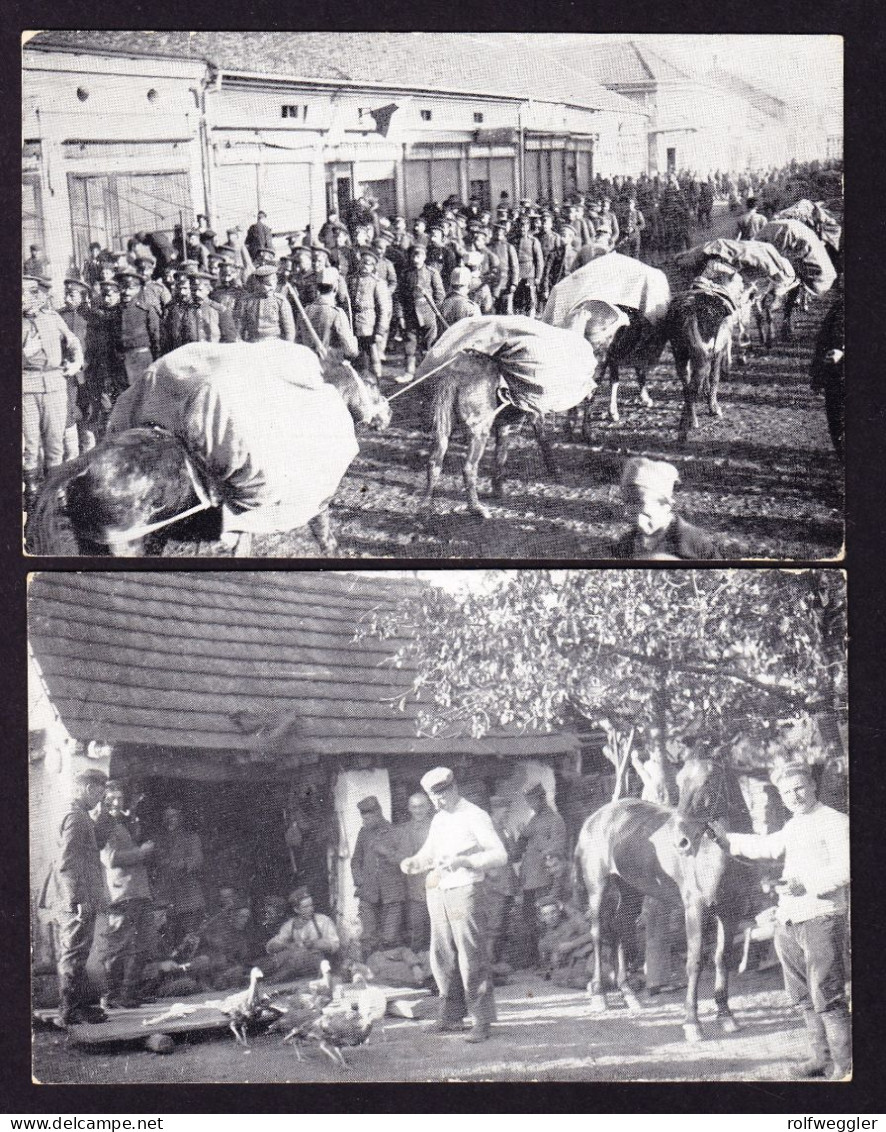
[135, 488]
[699, 329]
[672, 858]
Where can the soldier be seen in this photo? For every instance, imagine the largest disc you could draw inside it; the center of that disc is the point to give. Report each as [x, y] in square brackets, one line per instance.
[378, 881]
[371, 305]
[508, 269]
[413, 834]
[75, 893]
[457, 305]
[329, 231]
[343, 255]
[550, 243]
[328, 319]
[606, 223]
[176, 327]
[419, 283]
[154, 290]
[302, 278]
[420, 231]
[229, 291]
[139, 326]
[632, 224]
[530, 264]
[259, 237]
[320, 259]
[545, 832]
[195, 250]
[751, 222]
[74, 315]
[51, 356]
[36, 265]
[214, 322]
[264, 313]
[561, 260]
[105, 372]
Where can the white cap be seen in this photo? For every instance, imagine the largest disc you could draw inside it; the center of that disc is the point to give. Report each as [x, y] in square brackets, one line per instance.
[437, 779]
[459, 277]
[328, 277]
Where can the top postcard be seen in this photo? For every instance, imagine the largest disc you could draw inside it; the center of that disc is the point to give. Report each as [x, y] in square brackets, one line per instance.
[373, 295]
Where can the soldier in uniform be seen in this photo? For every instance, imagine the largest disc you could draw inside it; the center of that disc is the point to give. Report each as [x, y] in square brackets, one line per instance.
[561, 260]
[545, 832]
[75, 893]
[153, 290]
[105, 372]
[265, 313]
[457, 305]
[371, 305]
[74, 315]
[378, 882]
[419, 282]
[229, 291]
[329, 321]
[530, 263]
[139, 326]
[214, 322]
[259, 237]
[51, 356]
[508, 269]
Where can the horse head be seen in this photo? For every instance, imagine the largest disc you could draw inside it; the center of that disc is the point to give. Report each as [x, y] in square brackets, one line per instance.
[709, 791]
[105, 498]
[361, 394]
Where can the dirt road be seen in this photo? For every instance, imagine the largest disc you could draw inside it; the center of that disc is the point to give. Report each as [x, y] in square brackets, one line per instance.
[763, 477]
[543, 1034]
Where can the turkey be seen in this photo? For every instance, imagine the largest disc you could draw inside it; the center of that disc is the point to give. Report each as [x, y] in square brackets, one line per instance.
[249, 1007]
[335, 1025]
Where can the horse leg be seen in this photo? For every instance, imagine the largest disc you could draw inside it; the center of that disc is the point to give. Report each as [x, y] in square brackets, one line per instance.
[790, 302]
[477, 440]
[442, 412]
[505, 433]
[722, 958]
[689, 376]
[595, 986]
[321, 528]
[691, 1029]
[714, 381]
[547, 452]
[642, 374]
[612, 368]
[621, 978]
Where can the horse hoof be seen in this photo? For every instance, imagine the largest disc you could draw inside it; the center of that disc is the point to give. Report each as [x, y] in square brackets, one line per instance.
[692, 1032]
[716, 411]
[729, 1025]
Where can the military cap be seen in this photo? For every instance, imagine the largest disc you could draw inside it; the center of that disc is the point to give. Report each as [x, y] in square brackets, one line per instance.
[203, 275]
[188, 267]
[368, 805]
[295, 239]
[126, 273]
[650, 475]
[106, 284]
[44, 283]
[385, 236]
[459, 277]
[265, 256]
[299, 894]
[437, 780]
[328, 277]
[77, 283]
[786, 771]
[217, 257]
[265, 270]
[283, 260]
[320, 248]
[371, 252]
[437, 228]
[500, 223]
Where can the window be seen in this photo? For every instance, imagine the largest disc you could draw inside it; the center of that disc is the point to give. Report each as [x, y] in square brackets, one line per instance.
[478, 117]
[288, 111]
[425, 115]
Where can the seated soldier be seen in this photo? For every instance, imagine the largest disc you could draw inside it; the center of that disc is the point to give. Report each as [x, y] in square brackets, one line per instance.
[302, 942]
[227, 939]
[174, 971]
[657, 532]
[565, 944]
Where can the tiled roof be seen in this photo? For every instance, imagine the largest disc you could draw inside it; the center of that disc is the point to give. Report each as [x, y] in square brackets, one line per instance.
[264, 663]
[628, 62]
[504, 64]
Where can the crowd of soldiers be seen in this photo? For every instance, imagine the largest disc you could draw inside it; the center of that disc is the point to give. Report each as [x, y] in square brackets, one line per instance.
[365, 286]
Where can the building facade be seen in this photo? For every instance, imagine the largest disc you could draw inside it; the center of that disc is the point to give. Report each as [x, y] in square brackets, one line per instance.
[129, 131]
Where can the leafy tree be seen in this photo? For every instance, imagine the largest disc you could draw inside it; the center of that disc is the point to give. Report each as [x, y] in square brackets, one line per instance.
[748, 661]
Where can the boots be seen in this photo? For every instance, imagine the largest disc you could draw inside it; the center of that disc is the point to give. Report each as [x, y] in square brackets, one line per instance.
[819, 1063]
[838, 1028]
[32, 487]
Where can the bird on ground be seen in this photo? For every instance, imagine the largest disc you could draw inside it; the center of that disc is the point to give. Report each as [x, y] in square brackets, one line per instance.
[248, 1008]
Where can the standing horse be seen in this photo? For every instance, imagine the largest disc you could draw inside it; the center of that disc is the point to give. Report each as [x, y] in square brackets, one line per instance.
[124, 496]
[669, 857]
[699, 329]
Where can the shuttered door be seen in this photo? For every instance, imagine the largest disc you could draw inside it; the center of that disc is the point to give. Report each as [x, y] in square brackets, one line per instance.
[236, 196]
[416, 175]
[153, 202]
[444, 180]
[558, 157]
[284, 193]
[501, 178]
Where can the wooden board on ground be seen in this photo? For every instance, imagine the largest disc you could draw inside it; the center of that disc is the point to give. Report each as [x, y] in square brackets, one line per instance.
[132, 1025]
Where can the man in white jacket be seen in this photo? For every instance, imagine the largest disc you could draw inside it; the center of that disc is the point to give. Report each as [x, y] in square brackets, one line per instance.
[812, 915]
[461, 845]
